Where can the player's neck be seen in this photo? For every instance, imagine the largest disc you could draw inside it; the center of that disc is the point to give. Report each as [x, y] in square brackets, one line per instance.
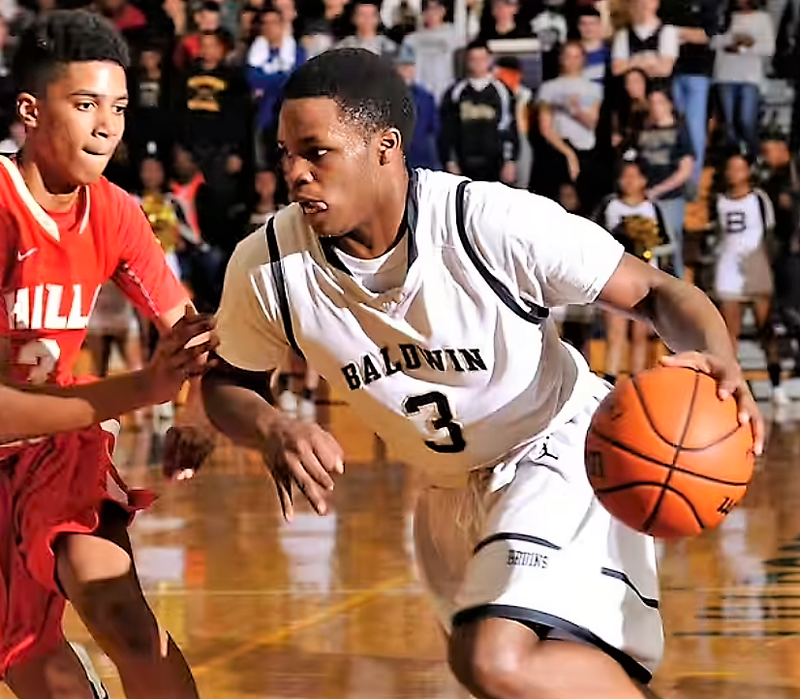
[50, 194]
[377, 235]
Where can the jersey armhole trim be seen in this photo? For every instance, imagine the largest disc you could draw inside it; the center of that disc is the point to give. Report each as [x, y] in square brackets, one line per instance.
[533, 313]
[276, 265]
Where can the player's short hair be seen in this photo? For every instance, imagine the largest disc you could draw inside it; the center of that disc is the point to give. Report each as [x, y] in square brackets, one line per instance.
[61, 37]
[365, 86]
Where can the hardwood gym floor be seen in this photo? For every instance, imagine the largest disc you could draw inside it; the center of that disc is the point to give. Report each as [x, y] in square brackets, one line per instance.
[328, 608]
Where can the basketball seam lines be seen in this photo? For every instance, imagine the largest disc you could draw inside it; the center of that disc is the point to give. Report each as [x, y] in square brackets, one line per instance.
[652, 460]
[663, 486]
[651, 519]
[669, 442]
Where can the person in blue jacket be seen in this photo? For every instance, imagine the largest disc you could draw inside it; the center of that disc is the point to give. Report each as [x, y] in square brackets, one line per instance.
[422, 151]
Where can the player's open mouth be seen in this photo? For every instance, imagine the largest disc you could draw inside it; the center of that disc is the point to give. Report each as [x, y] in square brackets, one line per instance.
[313, 207]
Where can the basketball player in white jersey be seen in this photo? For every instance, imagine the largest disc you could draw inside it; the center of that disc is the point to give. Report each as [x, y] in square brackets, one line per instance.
[745, 219]
[422, 297]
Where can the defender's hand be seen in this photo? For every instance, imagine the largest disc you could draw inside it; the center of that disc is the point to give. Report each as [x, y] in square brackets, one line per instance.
[302, 453]
[186, 447]
[730, 382]
[181, 354]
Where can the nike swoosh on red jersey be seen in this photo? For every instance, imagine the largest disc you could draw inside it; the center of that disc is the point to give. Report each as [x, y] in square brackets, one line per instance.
[25, 255]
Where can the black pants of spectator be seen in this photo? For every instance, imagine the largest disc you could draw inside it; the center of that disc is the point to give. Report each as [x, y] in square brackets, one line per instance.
[551, 170]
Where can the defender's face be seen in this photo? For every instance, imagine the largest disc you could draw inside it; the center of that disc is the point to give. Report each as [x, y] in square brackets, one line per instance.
[330, 164]
[77, 121]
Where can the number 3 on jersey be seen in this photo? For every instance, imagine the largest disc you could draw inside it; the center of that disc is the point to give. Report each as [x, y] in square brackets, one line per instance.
[42, 355]
[441, 419]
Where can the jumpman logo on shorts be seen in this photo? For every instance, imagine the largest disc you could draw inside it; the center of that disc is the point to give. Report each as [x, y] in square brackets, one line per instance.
[544, 451]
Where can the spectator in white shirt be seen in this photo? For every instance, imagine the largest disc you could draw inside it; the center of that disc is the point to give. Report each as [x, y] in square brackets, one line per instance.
[569, 110]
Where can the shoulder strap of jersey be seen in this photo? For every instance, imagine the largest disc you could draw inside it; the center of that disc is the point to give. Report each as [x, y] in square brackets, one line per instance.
[276, 265]
[533, 313]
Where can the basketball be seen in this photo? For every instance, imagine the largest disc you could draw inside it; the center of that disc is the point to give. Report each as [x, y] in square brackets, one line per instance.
[666, 456]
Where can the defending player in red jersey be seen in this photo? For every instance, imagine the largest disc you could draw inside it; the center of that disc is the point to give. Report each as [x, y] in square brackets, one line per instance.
[64, 231]
[31, 414]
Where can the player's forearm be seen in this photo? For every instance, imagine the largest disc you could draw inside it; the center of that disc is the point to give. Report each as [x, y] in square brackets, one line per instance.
[239, 412]
[33, 413]
[687, 320]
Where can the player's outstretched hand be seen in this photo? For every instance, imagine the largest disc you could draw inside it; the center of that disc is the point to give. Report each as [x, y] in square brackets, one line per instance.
[181, 354]
[186, 447]
[730, 382]
[305, 454]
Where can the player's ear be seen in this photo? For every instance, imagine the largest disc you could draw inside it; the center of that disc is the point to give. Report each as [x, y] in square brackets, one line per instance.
[391, 146]
[27, 109]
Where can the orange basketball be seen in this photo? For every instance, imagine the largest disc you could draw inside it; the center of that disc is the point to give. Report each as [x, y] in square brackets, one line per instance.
[666, 456]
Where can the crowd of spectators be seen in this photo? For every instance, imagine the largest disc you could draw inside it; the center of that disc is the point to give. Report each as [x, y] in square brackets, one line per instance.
[555, 96]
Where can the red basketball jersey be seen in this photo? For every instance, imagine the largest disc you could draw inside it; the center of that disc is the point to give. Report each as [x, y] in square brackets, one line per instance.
[53, 266]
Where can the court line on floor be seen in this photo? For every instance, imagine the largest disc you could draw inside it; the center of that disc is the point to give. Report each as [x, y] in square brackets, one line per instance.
[282, 633]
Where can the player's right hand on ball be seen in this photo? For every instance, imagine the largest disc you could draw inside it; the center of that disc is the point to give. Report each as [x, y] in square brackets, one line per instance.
[304, 454]
[181, 354]
[730, 383]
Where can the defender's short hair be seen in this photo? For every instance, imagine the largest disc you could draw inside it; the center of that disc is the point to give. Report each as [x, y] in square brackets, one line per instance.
[61, 37]
[365, 86]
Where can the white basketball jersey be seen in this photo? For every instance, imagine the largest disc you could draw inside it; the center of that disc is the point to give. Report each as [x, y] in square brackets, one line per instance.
[457, 368]
[743, 222]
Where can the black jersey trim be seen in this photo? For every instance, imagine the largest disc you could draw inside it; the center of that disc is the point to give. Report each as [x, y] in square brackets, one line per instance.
[533, 313]
[278, 274]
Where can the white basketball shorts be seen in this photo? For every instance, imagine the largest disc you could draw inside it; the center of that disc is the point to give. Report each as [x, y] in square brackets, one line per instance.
[543, 551]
